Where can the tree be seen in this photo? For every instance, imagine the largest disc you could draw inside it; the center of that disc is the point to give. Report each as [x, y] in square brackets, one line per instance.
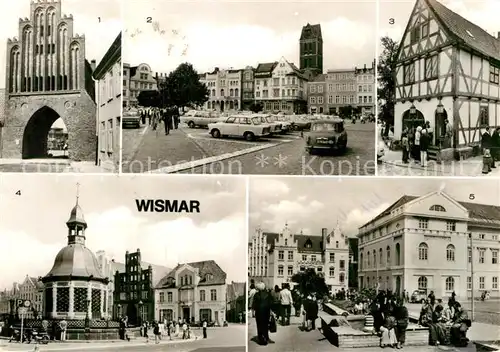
[149, 98]
[386, 91]
[183, 88]
[310, 282]
[256, 107]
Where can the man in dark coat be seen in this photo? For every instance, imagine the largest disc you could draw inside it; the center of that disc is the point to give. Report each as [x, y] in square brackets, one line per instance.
[495, 146]
[262, 302]
[486, 140]
[166, 117]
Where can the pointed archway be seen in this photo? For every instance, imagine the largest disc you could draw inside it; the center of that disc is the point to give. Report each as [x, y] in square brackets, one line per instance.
[413, 120]
[36, 133]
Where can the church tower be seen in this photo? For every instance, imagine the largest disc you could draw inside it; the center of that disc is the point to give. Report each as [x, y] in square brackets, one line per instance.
[311, 49]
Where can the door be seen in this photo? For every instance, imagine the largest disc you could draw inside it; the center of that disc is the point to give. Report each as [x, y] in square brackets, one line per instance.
[185, 314]
[398, 284]
[230, 127]
[217, 317]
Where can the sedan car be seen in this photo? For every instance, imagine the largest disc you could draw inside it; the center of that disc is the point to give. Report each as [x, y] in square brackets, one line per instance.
[327, 135]
[194, 118]
[269, 120]
[248, 127]
[418, 296]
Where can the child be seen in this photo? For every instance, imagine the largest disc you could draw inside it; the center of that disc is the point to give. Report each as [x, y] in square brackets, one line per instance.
[184, 331]
[204, 329]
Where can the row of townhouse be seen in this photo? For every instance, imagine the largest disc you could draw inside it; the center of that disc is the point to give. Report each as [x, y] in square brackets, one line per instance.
[329, 92]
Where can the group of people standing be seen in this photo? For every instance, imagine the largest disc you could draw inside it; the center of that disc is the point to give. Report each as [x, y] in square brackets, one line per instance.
[154, 116]
[415, 142]
[390, 319]
[490, 145]
[448, 324]
[272, 306]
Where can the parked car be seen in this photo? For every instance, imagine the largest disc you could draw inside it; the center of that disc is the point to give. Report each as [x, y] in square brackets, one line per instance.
[300, 123]
[286, 124]
[275, 125]
[131, 118]
[194, 118]
[248, 127]
[418, 296]
[327, 135]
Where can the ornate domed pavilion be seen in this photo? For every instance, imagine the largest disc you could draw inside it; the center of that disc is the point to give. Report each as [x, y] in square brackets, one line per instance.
[75, 288]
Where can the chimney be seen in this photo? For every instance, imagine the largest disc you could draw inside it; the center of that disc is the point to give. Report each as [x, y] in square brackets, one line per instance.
[364, 67]
[324, 234]
[92, 64]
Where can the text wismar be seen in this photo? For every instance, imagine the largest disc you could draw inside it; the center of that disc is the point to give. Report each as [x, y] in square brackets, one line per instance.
[168, 206]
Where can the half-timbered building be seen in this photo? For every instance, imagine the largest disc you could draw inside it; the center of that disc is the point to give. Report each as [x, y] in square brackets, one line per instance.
[447, 69]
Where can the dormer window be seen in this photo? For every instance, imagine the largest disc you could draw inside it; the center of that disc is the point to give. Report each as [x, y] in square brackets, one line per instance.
[208, 277]
[437, 207]
[308, 244]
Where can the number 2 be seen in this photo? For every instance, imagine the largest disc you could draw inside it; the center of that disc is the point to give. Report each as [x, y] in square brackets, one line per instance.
[18, 193]
[149, 19]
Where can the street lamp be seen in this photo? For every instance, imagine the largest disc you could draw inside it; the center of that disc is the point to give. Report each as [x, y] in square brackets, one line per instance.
[440, 108]
[413, 109]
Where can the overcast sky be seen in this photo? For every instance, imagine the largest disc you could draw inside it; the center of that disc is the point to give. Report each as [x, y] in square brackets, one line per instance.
[98, 35]
[237, 34]
[483, 13]
[33, 225]
[310, 204]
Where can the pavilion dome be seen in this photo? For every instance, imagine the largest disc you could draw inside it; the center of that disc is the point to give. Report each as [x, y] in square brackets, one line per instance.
[75, 261]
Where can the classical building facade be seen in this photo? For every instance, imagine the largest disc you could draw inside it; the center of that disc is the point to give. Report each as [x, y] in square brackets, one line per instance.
[224, 88]
[431, 243]
[311, 49]
[193, 292]
[47, 78]
[447, 68]
[135, 80]
[275, 257]
[340, 89]
[108, 76]
[316, 91]
[75, 288]
[247, 88]
[280, 87]
[366, 90]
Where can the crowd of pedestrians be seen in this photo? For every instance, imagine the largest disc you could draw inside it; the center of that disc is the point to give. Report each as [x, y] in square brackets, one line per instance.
[170, 118]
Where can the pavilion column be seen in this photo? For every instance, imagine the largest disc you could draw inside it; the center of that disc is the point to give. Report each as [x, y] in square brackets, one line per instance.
[104, 292]
[71, 311]
[89, 300]
[54, 300]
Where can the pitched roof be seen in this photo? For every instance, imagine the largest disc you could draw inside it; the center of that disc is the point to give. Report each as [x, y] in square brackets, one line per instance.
[266, 67]
[478, 38]
[315, 242]
[478, 212]
[218, 276]
[319, 78]
[311, 32]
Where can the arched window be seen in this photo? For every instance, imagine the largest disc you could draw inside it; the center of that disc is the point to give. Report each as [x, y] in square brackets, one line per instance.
[368, 260]
[450, 253]
[437, 207]
[222, 92]
[361, 264]
[388, 255]
[374, 258]
[380, 256]
[398, 254]
[450, 284]
[231, 92]
[236, 92]
[423, 251]
[213, 92]
[422, 283]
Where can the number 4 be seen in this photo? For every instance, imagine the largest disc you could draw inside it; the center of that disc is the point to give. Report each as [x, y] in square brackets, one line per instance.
[18, 193]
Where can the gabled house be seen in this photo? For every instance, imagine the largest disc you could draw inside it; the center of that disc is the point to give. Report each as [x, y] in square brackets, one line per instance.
[193, 292]
[447, 69]
[281, 87]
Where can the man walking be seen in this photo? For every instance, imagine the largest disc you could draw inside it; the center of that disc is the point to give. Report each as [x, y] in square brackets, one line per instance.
[286, 301]
[166, 117]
